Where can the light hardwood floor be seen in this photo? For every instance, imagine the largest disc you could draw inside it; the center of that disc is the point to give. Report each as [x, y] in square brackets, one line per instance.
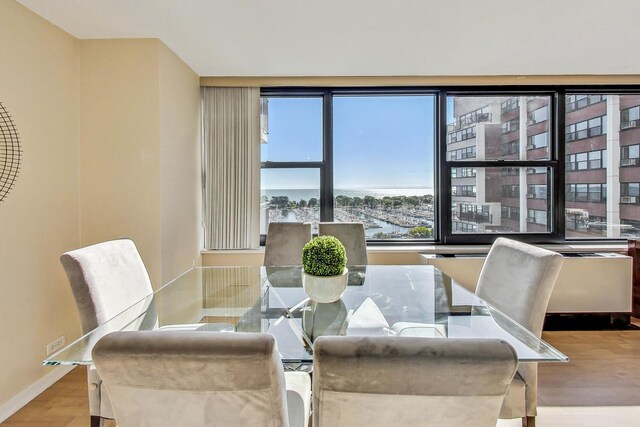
[599, 387]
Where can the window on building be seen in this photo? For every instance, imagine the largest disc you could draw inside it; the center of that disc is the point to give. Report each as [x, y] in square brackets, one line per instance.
[629, 193]
[630, 118]
[587, 193]
[538, 115]
[587, 160]
[586, 129]
[511, 125]
[630, 155]
[510, 147]
[576, 102]
[537, 141]
[509, 105]
[537, 216]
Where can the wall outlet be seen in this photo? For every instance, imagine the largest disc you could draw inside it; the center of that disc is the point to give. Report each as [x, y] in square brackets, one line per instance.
[56, 345]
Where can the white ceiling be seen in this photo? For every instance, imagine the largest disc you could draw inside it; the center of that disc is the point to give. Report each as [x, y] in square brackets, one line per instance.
[370, 37]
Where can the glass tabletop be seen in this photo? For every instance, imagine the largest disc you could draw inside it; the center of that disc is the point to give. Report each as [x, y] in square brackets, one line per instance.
[416, 300]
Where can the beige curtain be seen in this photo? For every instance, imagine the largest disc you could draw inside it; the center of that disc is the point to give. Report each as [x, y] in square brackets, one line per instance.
[231, 165]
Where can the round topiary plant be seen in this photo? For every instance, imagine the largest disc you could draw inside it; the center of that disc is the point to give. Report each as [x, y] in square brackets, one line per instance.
[324, 256]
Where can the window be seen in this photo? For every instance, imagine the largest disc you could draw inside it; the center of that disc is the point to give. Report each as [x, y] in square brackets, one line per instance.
[537, 216]
[630, 193]
[463, 153]
[587, 160]
[587, 129]
[509, 105]
[589, 213]
[463, 190]
[576, 102]
[462, 135]
[510, 147]
[592, 193]
[353, 165]
[537, 191]
[538, 115]
[629, 155]
[537, 141]
[630, 118]
[511, 212]
[511, 126]
[463, 173]
[497, 181]
[510, 171]
[366, 162]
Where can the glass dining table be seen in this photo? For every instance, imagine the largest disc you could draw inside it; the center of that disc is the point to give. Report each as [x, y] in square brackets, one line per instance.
[404, 300]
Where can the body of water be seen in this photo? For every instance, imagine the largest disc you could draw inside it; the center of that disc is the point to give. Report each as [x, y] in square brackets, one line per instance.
[306, 194]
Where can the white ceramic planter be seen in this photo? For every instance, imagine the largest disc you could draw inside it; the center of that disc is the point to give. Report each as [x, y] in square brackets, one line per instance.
[325, 289]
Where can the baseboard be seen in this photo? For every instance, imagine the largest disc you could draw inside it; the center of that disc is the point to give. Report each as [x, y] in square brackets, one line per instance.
[14, 404]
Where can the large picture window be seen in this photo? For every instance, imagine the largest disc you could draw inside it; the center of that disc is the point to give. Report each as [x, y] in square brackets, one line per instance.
[364, 157]
[454, 166]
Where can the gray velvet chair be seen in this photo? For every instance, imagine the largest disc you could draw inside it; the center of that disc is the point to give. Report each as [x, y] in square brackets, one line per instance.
[285, 241]
[185, 378]
[351, 234]
[402, 381]
[105, 278]
[517, 279]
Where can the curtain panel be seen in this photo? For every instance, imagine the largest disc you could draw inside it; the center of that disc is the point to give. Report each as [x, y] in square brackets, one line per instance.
[231, 167]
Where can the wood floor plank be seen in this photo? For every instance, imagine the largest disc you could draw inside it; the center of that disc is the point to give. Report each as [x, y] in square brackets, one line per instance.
[600, 386]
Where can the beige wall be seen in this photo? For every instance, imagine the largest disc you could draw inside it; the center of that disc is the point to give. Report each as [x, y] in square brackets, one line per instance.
[139, 134]
[119, 153]
[110, 136]
[40, 217]
[180, 187]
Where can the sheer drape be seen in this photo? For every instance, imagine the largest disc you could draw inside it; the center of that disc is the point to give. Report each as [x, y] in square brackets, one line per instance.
[231, 163]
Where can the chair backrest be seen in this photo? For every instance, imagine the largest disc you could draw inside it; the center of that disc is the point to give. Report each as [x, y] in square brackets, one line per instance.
[351, 234]
[385, 381]
[517, 279]
[105, 278]
[285, 241]
[192, 378]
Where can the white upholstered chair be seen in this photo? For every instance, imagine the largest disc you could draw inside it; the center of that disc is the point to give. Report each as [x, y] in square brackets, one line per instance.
[105, 278]
[402, 381]
[285, 241]
[517, 279]
[351, 234]
[192, 379]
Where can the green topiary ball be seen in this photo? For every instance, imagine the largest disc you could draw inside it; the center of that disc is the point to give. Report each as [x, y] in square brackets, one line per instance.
[324, 256]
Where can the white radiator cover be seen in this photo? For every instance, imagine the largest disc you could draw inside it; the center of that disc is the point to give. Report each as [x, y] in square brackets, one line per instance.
[598, 283]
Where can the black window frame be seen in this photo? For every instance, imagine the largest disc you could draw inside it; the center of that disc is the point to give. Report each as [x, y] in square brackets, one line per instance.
[442, 234]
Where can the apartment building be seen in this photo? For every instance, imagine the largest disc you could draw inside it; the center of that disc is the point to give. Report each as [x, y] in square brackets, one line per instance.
[601, 149]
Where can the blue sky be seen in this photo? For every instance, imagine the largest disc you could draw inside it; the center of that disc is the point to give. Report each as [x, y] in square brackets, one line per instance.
[379, 141]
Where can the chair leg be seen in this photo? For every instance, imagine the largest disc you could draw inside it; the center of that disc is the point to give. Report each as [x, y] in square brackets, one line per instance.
[96, 421]
[528, 421]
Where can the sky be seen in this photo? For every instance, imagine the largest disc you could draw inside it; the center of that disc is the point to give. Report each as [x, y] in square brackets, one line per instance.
[379, 141]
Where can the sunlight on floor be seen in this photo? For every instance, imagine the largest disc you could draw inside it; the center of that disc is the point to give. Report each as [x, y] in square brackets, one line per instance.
[582, 416]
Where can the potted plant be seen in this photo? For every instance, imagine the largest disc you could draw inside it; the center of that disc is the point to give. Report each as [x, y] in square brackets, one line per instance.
[324, 275]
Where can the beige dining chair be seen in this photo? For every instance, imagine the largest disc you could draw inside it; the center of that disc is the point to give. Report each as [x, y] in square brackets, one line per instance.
[198, 378]
[518, 279]
[106, 278]
[352, 236]
[285, 241]
[402, 381]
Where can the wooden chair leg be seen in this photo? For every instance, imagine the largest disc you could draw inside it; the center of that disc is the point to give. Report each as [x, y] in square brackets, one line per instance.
[528, 421]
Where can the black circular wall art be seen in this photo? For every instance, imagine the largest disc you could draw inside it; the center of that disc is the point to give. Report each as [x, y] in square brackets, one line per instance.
[10, 153]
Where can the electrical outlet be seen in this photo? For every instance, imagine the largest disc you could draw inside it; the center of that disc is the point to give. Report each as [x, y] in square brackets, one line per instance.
[56, 345]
